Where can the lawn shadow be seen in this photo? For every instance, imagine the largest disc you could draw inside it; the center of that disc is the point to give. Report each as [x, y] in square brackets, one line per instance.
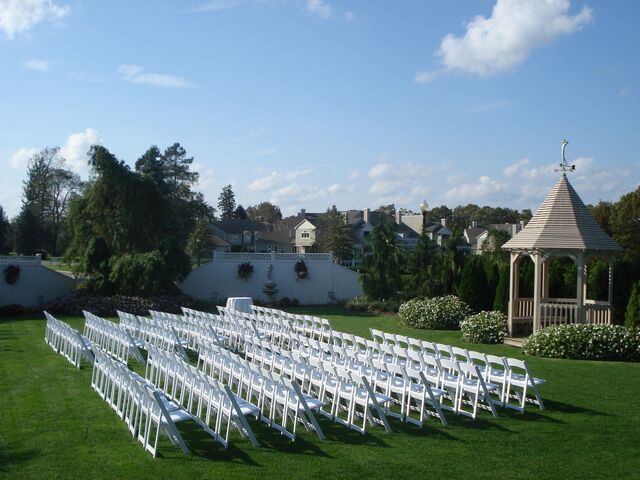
[8, 460]
[427, 430]
[203, 445]
[553, 406]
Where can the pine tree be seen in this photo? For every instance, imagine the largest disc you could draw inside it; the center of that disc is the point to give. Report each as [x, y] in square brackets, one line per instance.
[501, 301]
[473, 284]
[227, 203]
[240, 213]
[632, 315]
[335, 235]
[382, 280]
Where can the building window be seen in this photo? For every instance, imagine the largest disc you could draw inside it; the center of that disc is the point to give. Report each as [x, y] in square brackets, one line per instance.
[305, 235]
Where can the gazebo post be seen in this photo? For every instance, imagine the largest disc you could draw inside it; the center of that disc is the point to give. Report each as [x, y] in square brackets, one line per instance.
[513, 288]
[580, 287]
[537, 294]
[610, 312]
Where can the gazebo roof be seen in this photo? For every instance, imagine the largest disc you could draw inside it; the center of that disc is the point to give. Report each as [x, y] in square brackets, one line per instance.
[562, 222]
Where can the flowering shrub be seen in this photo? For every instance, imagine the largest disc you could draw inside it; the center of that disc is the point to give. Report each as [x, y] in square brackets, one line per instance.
[245, 270]
[436, 313]
[587, 342]
[484, 327]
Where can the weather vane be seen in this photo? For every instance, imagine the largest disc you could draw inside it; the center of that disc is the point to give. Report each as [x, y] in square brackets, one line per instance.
[564, 166]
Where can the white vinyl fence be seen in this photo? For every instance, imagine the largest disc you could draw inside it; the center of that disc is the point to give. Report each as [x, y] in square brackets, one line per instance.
[36, 285]
[326, 281]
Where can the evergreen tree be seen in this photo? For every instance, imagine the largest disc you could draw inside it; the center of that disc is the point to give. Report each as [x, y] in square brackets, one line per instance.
[382, 280]
[5, 228]
[473, 285]
[29, 234]
[240, 213]
[632, 314]
[501, 301]
[131, 217]
[265, 212]
[227, 203]
[335, 235]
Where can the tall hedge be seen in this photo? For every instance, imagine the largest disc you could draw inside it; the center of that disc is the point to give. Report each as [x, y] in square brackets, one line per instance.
[632, 315]
[474, 287]
[501, 300]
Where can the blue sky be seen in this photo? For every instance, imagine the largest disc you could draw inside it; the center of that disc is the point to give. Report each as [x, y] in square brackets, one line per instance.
[309, 103]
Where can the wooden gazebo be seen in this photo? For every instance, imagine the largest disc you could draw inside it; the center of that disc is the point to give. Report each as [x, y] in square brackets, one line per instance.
[562, 227]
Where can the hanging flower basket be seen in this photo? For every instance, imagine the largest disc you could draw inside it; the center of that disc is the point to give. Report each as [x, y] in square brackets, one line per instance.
[245, 270]
[301, 269]
[11, 274]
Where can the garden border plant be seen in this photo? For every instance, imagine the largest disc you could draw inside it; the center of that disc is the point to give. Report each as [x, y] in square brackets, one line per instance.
[485, 327]
[585, 342]
[437, 313]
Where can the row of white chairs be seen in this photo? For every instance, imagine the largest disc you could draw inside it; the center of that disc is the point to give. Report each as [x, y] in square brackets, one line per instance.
[232, 327]
[210, 403]
[348, 398]
[66, 341]
[310, 326]
[143, 409]
[517, 385]
[110, 337]
[191, 331]
[281, 403]
[465, 382]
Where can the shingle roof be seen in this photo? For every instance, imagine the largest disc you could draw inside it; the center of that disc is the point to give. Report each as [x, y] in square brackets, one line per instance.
[562, 222]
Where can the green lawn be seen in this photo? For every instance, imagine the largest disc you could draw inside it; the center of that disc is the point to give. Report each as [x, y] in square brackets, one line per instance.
[53, 425]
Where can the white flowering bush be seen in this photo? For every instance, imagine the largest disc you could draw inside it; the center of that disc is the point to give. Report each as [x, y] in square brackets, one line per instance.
[438, 313]
[586, 342]
[484, 327]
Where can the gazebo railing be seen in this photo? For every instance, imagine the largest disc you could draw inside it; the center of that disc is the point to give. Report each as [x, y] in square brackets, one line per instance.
[523, 308]
[558, 314]
[597, 312]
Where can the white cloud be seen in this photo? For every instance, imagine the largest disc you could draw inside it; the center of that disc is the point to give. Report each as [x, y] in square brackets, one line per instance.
[505, 39]
[37, 65]
[425, 77]
[354, 174]
[20, 159]
[403, 170]
[136, 74]
[623, 92]
[248, 136]
[215, 5]
[267, 151]
[515, 167]
[76, 148]
[275, 179]
[19, 16]
[487, 107]
[524, 186]
[349, 16]
[319, 8]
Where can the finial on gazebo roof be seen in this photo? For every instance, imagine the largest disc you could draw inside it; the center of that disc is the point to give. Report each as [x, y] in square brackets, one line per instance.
[564, 167]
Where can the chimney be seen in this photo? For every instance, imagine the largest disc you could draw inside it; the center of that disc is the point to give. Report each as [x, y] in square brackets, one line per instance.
[303, 211]
[443, 222]
[474, 224]
[521, 224]
[365, 215]
[398, 217]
